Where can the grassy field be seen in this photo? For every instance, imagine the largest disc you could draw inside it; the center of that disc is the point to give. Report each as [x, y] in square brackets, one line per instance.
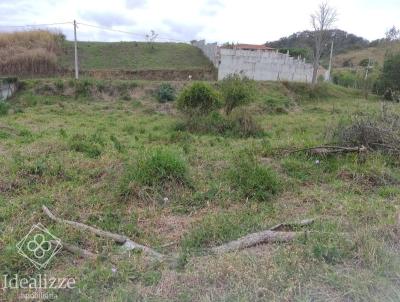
[135, 55]
[72, 148]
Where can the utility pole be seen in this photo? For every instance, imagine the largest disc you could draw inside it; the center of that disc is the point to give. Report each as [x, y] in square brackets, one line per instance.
[76, 54]
[331, 57]
[366, 84]
[367, 69]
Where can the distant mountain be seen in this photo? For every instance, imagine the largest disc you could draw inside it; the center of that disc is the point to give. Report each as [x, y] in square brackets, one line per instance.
[344, 42]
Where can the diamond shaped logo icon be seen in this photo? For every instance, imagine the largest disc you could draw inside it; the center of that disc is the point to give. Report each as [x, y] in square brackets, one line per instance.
[39, 246]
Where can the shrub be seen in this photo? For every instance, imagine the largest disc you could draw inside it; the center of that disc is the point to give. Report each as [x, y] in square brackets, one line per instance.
[83, 88]
[4, 107]
[156, 168]
[166, 93]
[252, 180]
[236, 91]
[239, 124]
[200, 98]
[244, 125]
[364, 63]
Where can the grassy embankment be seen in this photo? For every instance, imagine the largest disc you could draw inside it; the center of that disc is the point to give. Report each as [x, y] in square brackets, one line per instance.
[92, 154]
[44, 53]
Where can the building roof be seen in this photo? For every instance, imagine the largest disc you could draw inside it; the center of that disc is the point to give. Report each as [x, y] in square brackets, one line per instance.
[252, 47]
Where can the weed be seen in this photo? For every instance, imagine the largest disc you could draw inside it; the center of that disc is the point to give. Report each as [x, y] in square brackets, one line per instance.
[252, 180]
[217, 228]
[156, 168]
[117, 144]
[89, 146]
[4, 107]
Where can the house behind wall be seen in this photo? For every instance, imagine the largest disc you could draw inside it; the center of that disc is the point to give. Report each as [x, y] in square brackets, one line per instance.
[260, 65]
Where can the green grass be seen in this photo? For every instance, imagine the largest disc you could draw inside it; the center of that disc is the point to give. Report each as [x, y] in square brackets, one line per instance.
[135, 56]
[74, 151]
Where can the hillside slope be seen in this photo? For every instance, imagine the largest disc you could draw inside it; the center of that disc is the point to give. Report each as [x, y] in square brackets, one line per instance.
[134, 56]
[377, 54]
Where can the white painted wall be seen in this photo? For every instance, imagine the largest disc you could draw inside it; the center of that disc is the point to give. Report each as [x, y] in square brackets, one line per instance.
[256, 65]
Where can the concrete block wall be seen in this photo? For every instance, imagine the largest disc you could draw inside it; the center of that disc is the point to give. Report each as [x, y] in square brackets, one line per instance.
[210, 50]
[257, 65]
[263, 66]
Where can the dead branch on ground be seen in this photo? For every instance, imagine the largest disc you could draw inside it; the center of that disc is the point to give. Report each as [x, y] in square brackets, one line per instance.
[127, 243]
[271, 235]
[326, 150]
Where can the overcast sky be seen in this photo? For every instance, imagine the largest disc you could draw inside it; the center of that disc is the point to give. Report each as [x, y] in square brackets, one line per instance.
[245, 21]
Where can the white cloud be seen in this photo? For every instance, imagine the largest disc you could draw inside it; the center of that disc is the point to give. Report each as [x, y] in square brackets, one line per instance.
[252, 21]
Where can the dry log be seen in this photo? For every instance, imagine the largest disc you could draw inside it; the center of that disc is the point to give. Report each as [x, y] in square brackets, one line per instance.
[292, 225]
[77, 250]
[254, 239]
[127, 243]
[325, 150]
[279, 233]
[116, 237]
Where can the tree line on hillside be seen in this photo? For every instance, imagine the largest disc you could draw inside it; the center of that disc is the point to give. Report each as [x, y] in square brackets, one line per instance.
[303, 42]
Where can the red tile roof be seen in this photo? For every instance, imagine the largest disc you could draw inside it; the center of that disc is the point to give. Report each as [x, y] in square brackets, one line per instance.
[252, 47]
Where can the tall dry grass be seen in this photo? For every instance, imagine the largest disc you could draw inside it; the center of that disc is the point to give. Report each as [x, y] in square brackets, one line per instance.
[29, 52]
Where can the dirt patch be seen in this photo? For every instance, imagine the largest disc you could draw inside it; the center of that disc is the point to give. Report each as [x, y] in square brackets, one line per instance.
[149, 75]
[172, 227]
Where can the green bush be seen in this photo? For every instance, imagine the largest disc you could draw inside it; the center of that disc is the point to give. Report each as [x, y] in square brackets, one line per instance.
[156, 168]
[198, 99]
[390, 77]
[4, 107]
[252, 180]
[236, 91]
[165, 93]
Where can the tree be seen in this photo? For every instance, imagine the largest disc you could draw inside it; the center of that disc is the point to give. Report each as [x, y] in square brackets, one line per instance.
[391, 72]
[150, 38]
[393, 34]
[322, 21]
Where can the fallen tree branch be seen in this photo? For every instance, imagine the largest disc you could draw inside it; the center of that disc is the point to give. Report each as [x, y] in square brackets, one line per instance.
[272, 235]
[292, 225]
[116, 237]
[127, 243]
[325, 150]
[77, 250]
[254, 239]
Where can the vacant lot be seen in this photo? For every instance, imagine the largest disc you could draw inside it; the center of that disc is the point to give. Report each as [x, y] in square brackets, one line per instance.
[75, 149]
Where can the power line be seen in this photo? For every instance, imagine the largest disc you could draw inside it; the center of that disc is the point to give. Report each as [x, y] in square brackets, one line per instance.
[110, 29]
[35, 25]
[129, 33]
[142, 35]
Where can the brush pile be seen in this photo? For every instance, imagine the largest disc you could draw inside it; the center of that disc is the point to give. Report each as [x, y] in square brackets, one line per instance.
[379, 132]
